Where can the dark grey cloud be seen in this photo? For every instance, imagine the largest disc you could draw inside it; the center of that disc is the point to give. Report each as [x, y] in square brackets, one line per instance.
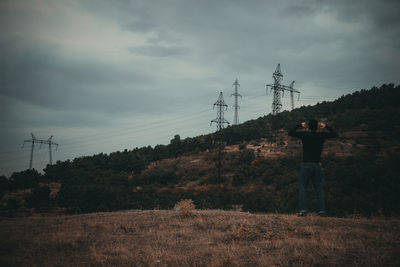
[380, 13]
[299, 10]
[158, 50]
[42, 76]
[87, 65]
[248, 36]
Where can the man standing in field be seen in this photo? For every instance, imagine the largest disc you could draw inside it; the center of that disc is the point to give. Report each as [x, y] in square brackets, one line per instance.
[313, 142]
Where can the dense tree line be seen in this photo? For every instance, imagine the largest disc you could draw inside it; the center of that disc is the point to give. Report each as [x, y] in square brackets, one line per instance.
[359, 184]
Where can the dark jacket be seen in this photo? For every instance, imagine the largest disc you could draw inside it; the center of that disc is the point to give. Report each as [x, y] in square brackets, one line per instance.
[313, 142]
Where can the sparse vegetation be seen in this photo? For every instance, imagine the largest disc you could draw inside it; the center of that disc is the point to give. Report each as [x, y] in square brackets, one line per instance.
[210, 238]
[185, 207]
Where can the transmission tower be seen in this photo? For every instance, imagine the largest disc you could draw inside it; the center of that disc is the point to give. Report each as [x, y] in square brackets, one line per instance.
[41, 142]
[291, 89]
[220, 121]
[236, 106]
[278, 90]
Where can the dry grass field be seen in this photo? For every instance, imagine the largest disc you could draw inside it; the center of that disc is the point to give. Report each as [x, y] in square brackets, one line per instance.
[198, 238]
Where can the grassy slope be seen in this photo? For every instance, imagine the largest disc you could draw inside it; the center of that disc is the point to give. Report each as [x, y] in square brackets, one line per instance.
[206, 238]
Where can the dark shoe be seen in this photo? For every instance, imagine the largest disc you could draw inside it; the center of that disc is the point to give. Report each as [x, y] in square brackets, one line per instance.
[322, 214]
[302, 213]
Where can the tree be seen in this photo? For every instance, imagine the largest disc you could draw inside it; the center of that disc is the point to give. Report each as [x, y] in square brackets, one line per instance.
[40, 198]
[176, 147]
[25, 179]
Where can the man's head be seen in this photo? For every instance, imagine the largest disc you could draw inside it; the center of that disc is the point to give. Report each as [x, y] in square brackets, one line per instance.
[313, 125]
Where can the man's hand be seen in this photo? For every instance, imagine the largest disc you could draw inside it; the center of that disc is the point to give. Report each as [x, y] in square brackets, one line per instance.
[322, 125]
[304, 124]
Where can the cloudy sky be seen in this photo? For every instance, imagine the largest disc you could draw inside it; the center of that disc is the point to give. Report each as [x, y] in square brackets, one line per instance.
[102, 76]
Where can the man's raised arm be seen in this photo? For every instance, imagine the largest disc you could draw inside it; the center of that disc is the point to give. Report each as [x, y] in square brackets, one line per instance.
[294, 132]
[331, 134]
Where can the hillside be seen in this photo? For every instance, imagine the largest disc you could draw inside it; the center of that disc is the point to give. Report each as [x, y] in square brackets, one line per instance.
[361, 167]
[201, 238]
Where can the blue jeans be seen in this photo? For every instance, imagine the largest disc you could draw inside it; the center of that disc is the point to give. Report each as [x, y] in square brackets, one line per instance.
[313, 171]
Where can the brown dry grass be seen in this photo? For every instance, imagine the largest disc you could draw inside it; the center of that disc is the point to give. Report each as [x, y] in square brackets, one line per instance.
[207, 238]
[185, 207]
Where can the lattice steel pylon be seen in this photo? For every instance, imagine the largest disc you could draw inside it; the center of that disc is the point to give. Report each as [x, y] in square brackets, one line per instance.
[291, 89]
[236, 106]
[41, 142]
[276, 87]
[278, 90]
[220, 121]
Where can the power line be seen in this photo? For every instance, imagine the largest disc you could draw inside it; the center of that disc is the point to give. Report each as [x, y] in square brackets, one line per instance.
[81, 143]
[81, 138]
[127, 131]
[120, 132]
[135, 128]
